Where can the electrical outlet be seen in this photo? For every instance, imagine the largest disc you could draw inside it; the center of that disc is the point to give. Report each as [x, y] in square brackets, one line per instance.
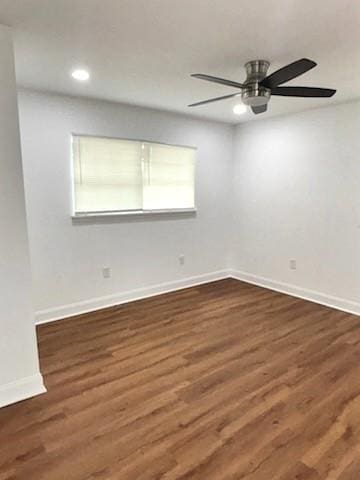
[182, 259]
[106, 271]
[292, 264]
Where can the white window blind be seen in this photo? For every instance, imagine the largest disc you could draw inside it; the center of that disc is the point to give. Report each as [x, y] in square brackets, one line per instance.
[113, 175]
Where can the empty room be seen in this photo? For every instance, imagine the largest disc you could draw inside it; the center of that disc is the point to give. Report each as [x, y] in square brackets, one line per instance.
[179, 240]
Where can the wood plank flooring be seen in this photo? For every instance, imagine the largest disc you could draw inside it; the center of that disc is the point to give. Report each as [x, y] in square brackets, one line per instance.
[219, 382]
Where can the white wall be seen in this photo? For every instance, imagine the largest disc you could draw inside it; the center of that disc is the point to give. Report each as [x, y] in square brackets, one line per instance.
[19, 367]
[67, 257]
[280, 189]
[297, 196]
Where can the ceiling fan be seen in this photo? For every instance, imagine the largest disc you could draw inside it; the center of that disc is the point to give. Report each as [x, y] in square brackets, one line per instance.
[258, 88]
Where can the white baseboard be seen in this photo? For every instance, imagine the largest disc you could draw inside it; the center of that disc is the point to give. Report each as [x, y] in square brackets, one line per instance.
[91, 305]
[64, 311]
[21, 389]
[342, 304]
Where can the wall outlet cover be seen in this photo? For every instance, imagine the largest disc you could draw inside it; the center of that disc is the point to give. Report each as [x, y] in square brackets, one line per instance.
[292, 264]
[106, 272]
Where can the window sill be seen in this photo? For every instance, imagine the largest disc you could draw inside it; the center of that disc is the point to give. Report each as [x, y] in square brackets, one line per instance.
[133, 213]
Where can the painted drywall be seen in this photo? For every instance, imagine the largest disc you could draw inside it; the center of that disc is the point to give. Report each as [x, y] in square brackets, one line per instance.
[19, 367]
[68, 256]
[296, 196]
[279, 189]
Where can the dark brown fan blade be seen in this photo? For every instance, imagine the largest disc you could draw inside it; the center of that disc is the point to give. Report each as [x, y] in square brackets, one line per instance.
[288, 72]
[259, 109]
[303, 92]
[222, 81]
[213, 100]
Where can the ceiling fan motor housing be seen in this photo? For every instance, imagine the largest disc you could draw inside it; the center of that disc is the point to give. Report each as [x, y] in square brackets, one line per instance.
[255, 94]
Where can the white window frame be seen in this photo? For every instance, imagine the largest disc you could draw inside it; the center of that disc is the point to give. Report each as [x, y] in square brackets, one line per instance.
[121, 213]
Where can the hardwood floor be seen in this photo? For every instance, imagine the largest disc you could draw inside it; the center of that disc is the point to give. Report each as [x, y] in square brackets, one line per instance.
[222, 381]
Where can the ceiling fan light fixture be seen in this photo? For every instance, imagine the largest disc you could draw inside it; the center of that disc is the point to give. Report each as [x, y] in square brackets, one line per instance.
[80, 75]
[239, 109]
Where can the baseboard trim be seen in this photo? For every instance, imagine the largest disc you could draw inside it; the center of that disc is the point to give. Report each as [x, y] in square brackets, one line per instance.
[342, 304]
[21, 390]
[78, 308]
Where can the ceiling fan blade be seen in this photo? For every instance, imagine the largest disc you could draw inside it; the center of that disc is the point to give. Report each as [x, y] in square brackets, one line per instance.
[288, 72]
[213, 100]
[259, 109]
[222, 81]
[303, 92]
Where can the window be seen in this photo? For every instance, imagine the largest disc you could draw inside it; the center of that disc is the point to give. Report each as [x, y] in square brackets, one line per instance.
[114, 176]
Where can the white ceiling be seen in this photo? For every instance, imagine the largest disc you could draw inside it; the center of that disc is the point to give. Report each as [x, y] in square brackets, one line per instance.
[143, 51]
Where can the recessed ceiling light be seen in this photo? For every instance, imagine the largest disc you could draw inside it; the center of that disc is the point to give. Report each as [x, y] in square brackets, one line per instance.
[81, 75]
[239, 109]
